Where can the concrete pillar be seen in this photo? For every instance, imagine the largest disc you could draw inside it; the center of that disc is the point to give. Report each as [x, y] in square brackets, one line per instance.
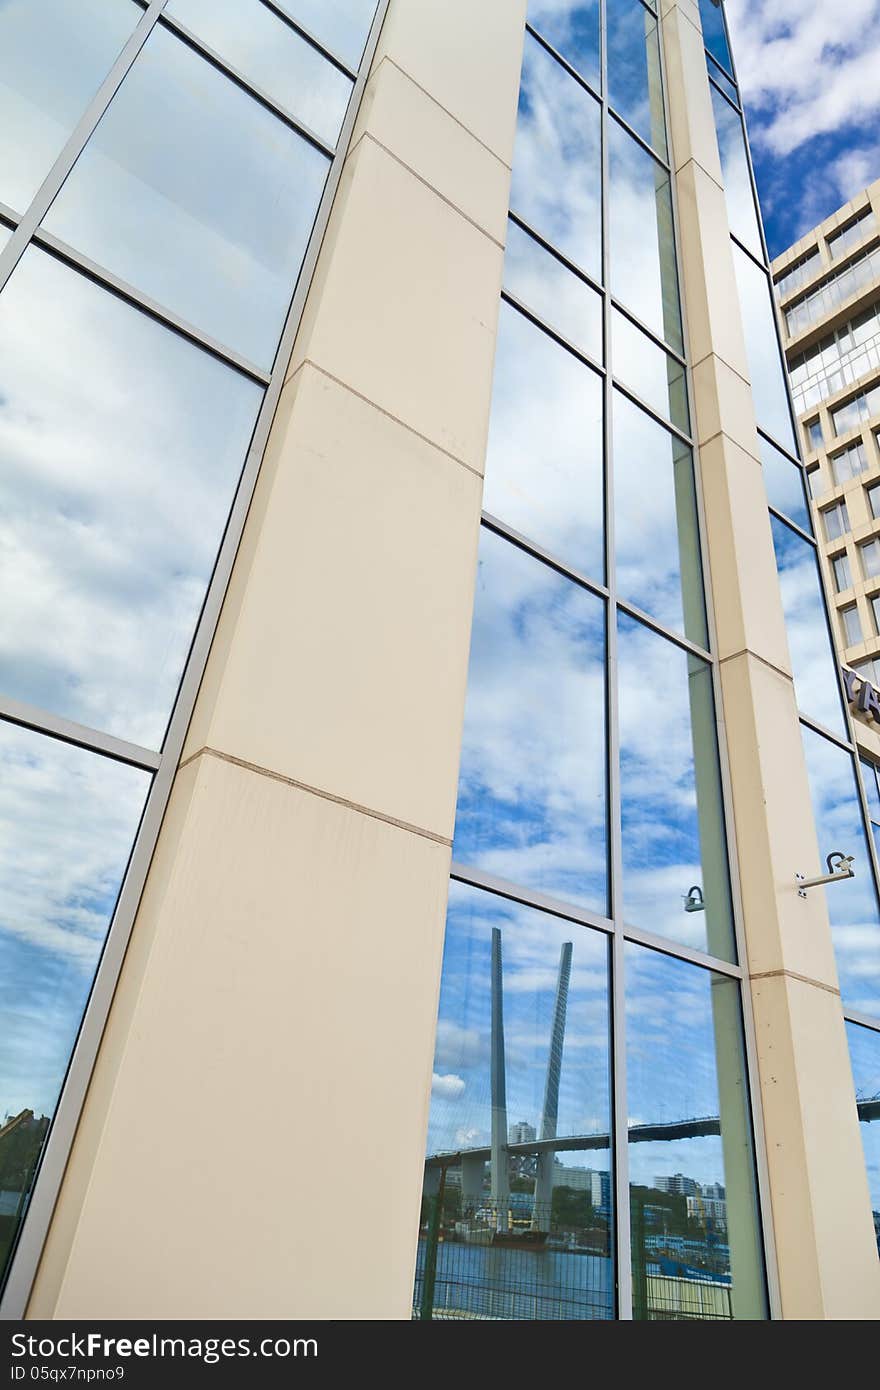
[252, 1143]
[827, 1263]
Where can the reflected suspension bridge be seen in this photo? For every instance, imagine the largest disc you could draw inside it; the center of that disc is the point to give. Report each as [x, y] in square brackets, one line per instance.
[472, 1160]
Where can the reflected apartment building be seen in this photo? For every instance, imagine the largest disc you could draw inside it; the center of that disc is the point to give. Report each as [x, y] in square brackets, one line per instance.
[419, 716]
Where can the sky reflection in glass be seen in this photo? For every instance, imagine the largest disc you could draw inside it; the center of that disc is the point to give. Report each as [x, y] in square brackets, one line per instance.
[544, 459]
[670, 787]
[655, 522]
[531, 796]
[864, 1051]
[54, 55]
[647, 370]
[67, 823]
[273, 56]
[557, 172]
[762, 350]
[149, 198]
[343, 26]
[685, 1062]
[852, 904]
[635, 88]
[813, 661]
[714, 33]
[112, 510]
[572, 27]
[544, 284]
[784, 483]
[741, 212]
[643, 273]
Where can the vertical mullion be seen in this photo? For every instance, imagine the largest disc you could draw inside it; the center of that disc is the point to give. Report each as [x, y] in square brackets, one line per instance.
[619, 1148]
[76, 142]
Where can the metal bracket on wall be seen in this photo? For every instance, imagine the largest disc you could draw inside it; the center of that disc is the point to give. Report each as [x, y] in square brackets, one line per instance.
[839, 868]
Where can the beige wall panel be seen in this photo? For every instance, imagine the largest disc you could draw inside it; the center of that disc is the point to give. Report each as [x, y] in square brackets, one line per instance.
[685, 64]
[830, 1268]
[354, 610]
[723, 401]
[707, 270]
[404, 305]
[748, 612]
[775, 830]
[467, 56]
[270, 1099]
[408, 122]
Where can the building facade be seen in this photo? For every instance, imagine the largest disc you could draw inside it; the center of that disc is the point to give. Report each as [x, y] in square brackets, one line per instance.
[420, 718]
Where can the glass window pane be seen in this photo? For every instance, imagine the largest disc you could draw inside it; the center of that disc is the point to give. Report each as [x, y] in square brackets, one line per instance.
[643, 274]
[655, 522]
[572, 27]
[872, 791]
[67, 822]
[635, 88]
[874, 501]
[762, 350]
[696, 1240]
[852, 903]
[842, 573]
[545, 285]
[714, 32]
[273, 56]
[521, 1055]
[784, 483]
[343, 26]
[864, 1051]
[870, 553]
[121, 445]
[531, 795]
[649, 371]
[557, 175]
[54, 55]
[544, 457]
[813, 661]
[741, 212]
[851, 626]
[675, 879]
[718, 75]
[836, 521]
[150, 198]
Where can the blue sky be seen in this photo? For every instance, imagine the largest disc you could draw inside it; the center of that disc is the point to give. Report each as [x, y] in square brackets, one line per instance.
[809, 77]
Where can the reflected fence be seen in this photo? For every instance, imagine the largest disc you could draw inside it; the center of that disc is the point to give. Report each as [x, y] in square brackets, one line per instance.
[511, 1257]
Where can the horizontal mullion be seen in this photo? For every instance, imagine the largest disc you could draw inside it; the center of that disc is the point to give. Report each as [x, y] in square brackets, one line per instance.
[667, 947]
[792, 458]
[721, 92]
[554, 251]
[62, 251]
[569, 68]
[9, 215]
[82, 735]
[528, 897]
[649, 149]
[310, 39]
[863, 1020]
[793, 526]
[693, 648]
[501, 528]
[818, 728]
[648, 332]
[235, 75]
[552, 332]
[652, 410]
[761, 264]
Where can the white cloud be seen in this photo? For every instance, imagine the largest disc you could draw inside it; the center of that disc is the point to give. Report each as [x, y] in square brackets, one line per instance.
[447, 1087]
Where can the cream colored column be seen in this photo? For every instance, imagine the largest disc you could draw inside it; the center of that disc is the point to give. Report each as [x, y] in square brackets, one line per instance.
[827, 1261]
[253, 1139]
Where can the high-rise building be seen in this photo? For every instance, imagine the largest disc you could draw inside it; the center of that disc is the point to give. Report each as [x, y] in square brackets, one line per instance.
[417, 704]
[828, 289]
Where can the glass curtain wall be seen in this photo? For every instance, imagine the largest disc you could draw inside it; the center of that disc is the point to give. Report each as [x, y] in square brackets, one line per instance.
[144, 289]
[838, 793]
[590, 1150]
